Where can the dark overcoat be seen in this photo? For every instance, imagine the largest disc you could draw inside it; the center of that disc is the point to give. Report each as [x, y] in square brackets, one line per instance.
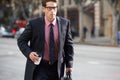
[33, 39]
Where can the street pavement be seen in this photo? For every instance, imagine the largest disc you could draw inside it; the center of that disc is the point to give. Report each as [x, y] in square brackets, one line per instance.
[90, 62]
[98, 41]
[96, 63]
[12, 62]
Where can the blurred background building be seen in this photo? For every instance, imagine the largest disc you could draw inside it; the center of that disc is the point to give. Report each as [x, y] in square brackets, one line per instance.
[95, 18]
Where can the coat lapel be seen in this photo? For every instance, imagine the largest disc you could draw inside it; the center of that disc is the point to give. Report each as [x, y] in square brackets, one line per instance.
[42, 33]
[59, 31]
[60, 44]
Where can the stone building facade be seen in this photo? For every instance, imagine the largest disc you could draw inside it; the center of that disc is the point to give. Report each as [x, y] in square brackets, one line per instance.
[96, 17]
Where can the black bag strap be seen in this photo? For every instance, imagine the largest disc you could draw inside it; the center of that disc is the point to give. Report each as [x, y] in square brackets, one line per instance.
[68, 76]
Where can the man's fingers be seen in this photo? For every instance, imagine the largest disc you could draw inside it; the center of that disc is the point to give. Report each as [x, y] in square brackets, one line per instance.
[33, 56]
[68, 70]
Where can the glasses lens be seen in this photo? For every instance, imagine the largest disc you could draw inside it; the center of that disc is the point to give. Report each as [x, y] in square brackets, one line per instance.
[50, 8]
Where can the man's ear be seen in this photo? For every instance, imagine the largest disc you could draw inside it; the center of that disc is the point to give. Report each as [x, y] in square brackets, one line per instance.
[43, 9]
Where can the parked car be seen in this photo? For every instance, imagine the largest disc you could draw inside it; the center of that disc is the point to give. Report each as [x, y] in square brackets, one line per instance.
[5, 33]
[19, 32]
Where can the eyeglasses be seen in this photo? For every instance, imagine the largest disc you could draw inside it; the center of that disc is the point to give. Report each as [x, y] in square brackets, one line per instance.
[50, 8]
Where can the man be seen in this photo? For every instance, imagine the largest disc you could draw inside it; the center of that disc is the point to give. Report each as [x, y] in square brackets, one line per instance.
[39, 32]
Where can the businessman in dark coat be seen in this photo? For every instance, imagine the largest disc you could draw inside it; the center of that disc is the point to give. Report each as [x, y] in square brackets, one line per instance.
[34, 43]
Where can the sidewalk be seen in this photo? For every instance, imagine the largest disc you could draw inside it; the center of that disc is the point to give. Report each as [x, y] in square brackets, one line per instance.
[99, 41]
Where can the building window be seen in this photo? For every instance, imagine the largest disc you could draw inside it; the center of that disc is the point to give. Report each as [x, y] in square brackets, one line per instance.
[69, 2]
[62, 2]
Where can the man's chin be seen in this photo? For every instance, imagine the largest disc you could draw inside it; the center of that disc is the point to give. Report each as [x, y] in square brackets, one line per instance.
[51, 19]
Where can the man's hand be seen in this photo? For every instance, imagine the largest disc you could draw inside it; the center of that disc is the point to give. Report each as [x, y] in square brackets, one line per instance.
[68, 70]
[34, 56]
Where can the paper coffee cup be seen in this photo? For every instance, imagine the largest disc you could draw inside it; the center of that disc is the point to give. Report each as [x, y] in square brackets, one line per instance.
[38, 62]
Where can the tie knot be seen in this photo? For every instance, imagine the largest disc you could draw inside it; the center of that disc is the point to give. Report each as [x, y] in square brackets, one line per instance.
[51, 25]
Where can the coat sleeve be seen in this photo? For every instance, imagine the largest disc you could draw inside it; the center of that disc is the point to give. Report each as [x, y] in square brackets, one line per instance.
[68, 47]
[23, 40]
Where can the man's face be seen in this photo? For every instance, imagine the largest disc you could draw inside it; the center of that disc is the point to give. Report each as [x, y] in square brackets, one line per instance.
[50, 10]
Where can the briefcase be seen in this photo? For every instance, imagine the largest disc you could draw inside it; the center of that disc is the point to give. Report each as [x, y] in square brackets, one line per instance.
[68, 76]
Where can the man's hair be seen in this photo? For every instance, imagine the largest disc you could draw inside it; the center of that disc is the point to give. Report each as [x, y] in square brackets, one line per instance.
[45, 1]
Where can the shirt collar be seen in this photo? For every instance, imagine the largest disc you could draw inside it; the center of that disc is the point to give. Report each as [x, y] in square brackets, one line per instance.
[47, 22]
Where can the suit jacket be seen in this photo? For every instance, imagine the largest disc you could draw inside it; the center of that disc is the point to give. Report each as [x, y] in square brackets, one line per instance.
[34, 34]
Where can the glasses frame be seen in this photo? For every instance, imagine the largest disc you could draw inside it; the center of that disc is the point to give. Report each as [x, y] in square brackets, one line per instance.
[50, 8]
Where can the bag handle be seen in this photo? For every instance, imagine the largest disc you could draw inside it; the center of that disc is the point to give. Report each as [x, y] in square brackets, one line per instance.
[68, 75]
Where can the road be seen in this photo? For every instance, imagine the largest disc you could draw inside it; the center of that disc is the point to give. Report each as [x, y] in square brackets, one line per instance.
[96, 63]
[90, 62]
[12, 62]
